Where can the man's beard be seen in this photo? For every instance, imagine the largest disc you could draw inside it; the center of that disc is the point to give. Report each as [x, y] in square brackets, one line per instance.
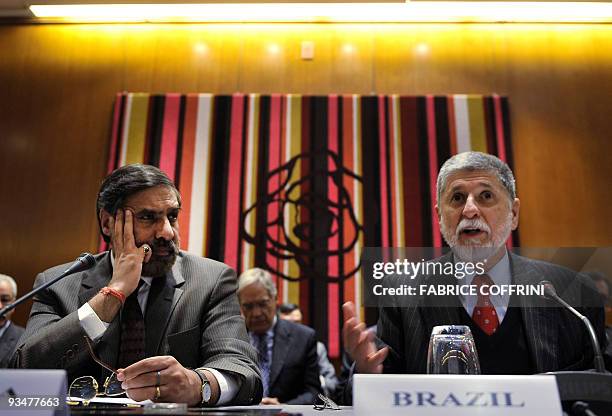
[476, 251]
[158, 265]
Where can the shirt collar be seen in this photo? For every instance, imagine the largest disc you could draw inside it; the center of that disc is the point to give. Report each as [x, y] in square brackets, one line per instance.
[500, 274]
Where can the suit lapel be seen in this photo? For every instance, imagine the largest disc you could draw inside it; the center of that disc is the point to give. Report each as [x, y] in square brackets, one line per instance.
[163, 297]
[282, 338]
[540, 321]
[92, 281]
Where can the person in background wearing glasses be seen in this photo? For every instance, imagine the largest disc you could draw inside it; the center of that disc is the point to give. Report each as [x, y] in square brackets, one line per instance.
[9, 331]
[477, 209]
[168, 320]
[287, 351]
[327, 372]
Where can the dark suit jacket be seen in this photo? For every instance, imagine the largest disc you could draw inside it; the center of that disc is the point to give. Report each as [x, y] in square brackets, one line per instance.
[294, 374]
[193, 315]
[556, 339]
[8, 342]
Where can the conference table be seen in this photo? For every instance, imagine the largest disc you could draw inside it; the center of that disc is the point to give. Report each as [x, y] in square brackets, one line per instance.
[282, 410]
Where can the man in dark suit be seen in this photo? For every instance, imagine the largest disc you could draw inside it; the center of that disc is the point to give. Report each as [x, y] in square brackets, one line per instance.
[169, 320]
[287, 351]
[477, 210]
[9, 331]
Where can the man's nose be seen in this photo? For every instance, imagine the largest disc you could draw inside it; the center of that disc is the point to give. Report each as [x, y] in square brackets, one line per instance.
[165, 230]
[470, 209]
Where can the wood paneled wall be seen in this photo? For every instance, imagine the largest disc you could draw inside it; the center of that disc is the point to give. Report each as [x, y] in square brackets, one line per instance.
[58, 84]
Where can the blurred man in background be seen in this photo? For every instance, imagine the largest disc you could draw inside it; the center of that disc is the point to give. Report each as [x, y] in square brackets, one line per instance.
[9, 331]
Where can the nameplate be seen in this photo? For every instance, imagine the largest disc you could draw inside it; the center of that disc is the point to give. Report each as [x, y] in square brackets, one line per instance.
[459, 395]
[33, 392]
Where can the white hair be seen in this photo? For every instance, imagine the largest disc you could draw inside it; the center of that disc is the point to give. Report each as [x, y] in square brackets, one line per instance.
[476, 161]
[11, 282]
[257, 275]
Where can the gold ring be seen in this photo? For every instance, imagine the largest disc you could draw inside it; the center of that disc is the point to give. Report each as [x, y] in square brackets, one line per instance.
[157, 393]
[158, 379]
[146, 248]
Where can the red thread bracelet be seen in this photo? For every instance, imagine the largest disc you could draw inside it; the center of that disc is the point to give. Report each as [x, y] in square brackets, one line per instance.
[115, 293]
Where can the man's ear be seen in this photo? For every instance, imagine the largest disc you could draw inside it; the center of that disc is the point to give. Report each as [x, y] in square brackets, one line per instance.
[437, 211]
[516, 205]
[105, 218]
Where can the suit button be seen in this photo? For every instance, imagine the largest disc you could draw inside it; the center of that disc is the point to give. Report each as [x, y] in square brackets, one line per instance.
[75, 347]
[70, 354]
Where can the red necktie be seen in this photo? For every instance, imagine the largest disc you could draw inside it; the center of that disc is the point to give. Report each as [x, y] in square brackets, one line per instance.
[484, 312]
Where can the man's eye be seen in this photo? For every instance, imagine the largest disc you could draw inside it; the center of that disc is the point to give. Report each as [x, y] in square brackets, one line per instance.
[487, 195]
[146, 217]
[457, 197]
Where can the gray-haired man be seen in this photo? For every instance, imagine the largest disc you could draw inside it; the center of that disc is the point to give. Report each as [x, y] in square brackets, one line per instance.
[9, 331]
[477, 209]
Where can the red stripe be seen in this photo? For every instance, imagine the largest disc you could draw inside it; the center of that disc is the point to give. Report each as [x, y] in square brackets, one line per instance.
[112, 154]
[433, 168]
[349, 163]
[273, 163]
[333, 269]
[499, 128]
[167, 156]
[232, 217]
[382, 157]
[187, 164]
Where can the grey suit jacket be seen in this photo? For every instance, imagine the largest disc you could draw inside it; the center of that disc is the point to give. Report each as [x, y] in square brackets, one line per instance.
[557, 340]
[193, 315]
[294, 374]
[8, 342]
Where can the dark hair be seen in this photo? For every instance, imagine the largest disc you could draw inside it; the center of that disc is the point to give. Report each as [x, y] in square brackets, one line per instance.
[286, 308]
[126, 181]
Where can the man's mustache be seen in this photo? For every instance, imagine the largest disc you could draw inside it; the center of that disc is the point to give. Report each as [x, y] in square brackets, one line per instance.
[163, 244]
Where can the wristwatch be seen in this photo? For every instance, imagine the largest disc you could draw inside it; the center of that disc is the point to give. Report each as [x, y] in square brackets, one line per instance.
[206, 390]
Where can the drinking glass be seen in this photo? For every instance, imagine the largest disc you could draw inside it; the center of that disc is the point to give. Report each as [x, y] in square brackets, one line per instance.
[452, 351]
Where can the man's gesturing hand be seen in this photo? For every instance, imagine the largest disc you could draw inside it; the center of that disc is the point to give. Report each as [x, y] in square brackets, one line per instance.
[359, 343]
[177, 384]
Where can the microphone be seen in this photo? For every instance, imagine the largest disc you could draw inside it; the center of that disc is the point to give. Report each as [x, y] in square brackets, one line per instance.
[551, 293]
[83, 262]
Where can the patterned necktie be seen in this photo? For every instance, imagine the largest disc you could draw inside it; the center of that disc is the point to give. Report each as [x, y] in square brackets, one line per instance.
[132, 348]
[264, 361]
[484, 312]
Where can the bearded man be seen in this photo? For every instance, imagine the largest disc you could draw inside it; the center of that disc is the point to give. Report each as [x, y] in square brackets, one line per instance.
[168, 321]
[477, 209]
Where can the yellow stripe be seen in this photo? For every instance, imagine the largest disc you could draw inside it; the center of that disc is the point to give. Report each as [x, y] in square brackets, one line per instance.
[295, 143]
[478, 137]
[399, 205]
[208, 174]
[137, 129]
[251, 223]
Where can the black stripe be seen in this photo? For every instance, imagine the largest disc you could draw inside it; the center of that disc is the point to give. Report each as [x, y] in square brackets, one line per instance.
[443, 151]
[320, 145]
[243, 154]
[218, 189]
[155, 129]
[179, 144]
[262, 176]
[389, 197]
[371, 171]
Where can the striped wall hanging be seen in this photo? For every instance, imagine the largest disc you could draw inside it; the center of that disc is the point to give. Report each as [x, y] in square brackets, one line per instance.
[300, 184]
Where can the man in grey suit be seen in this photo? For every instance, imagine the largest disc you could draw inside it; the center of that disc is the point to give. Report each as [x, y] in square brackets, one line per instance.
[477, 209]
[169, 320]
[9, 331]
[287, 351]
